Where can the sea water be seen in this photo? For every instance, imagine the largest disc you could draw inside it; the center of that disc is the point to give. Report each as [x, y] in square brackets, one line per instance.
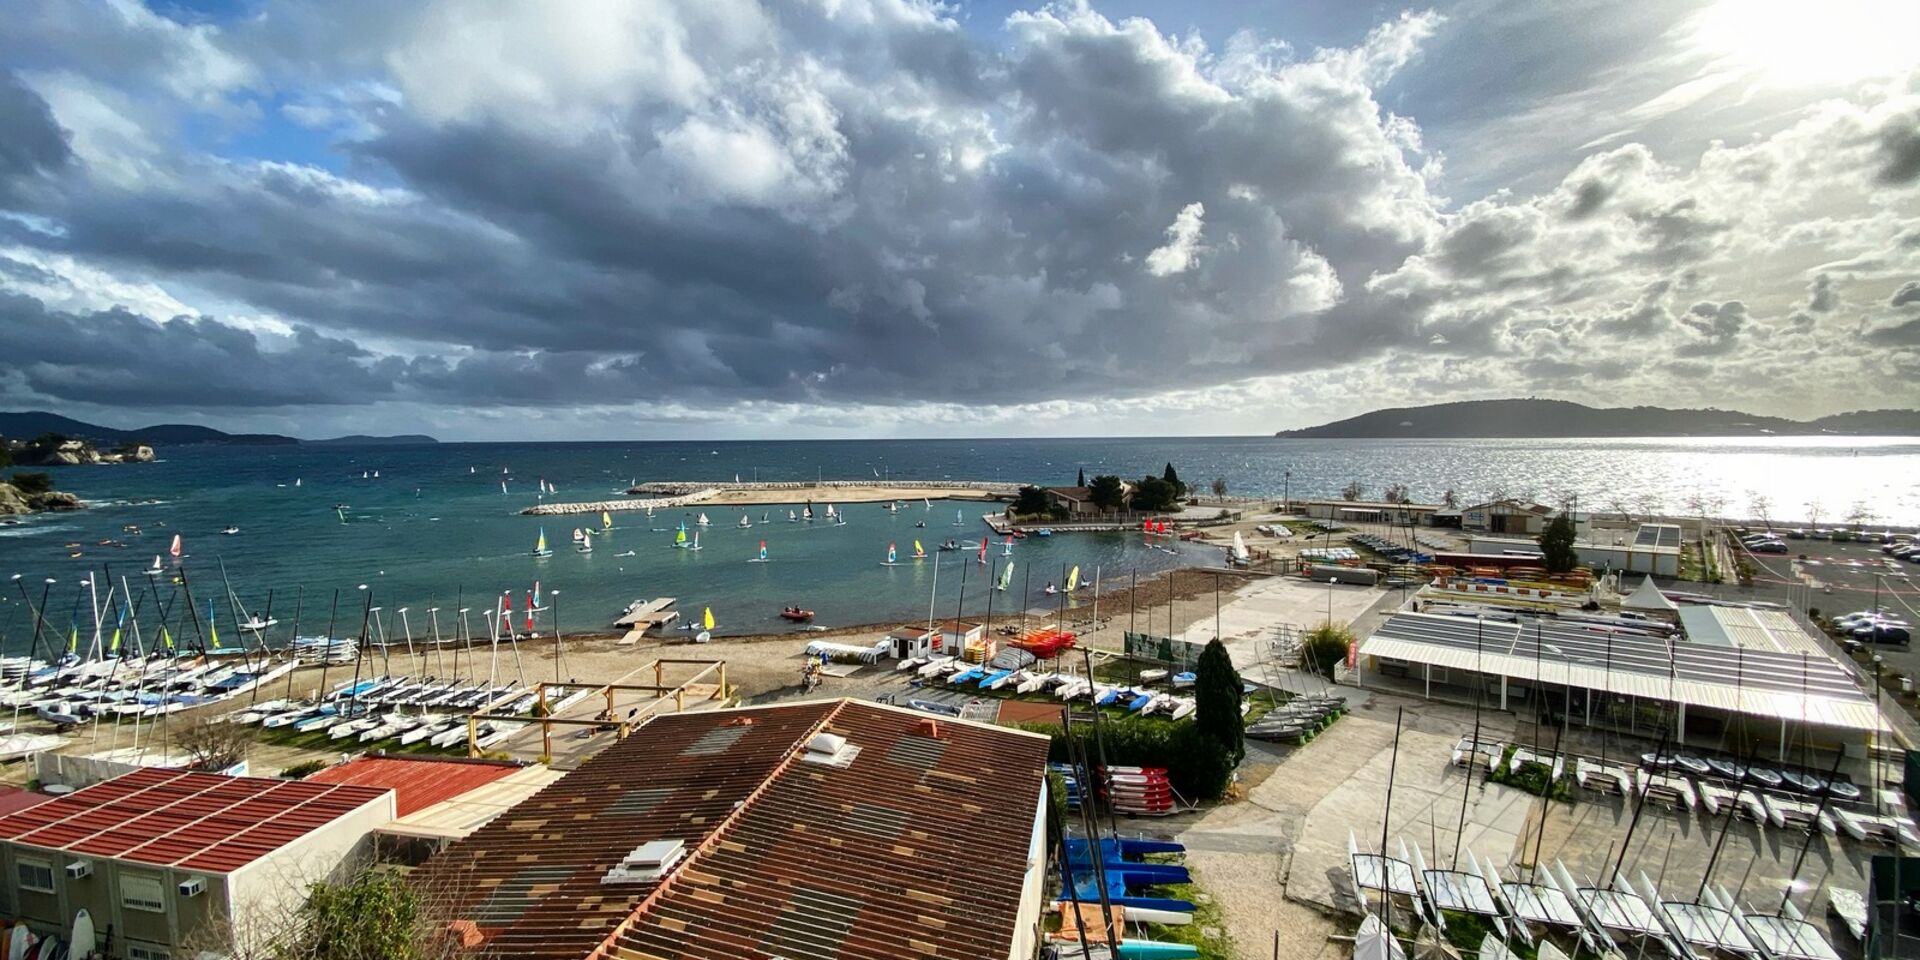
[428, 533]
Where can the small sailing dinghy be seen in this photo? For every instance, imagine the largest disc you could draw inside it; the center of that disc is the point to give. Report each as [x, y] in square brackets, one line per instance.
[745, 522]
[586, 541]
[177, 550]
[229, 531]
[919, 552]
[703, 521]
[540, 545]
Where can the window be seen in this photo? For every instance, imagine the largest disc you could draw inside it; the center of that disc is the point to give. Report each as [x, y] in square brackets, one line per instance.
[35, 875]
[141, 951]
[142, 893]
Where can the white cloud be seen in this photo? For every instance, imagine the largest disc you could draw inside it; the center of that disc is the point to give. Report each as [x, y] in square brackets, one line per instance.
[1183, 243]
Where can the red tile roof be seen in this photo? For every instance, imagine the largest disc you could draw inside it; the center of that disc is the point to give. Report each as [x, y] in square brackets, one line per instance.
[417, 782]
[197, 821]
[917, 846]
[14, 798]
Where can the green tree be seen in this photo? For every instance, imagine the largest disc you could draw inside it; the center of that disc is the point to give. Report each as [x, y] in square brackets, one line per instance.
[1107, 492]
[1153, 494]
[1556, 545]
[1033, 502]
[6, 455]
[1172, 478]
[1216, 694]
[31, 483]
[1325, 647]
[1219, 486]
[374, 916]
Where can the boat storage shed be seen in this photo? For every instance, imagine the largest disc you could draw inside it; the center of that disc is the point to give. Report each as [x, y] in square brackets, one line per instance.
[439, 799]
[834, 829]
[1725, 663]
[176, 862]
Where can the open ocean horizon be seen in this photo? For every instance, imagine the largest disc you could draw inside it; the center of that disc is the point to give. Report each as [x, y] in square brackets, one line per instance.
[428, 533]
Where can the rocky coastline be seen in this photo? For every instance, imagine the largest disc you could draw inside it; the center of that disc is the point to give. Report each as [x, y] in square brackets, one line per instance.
[15, 501]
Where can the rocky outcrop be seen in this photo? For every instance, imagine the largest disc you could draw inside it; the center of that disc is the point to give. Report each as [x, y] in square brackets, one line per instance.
[73, 453]
[14, 501]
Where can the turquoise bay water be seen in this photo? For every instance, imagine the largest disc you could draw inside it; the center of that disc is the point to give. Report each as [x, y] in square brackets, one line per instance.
[428, 532]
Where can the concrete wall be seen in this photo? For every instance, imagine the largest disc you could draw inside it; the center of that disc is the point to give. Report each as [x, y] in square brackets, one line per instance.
[269, 889]
[1026, 924]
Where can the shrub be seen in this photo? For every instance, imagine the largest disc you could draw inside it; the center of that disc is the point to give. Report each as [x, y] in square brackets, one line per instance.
[1216, 691]
[299, 770]
[31, 483]
[1326, 646]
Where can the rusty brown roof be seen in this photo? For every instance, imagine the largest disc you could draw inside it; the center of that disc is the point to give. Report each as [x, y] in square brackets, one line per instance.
[916, 845]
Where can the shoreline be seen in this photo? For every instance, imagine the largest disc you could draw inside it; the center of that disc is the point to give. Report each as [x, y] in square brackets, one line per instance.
[672, 495]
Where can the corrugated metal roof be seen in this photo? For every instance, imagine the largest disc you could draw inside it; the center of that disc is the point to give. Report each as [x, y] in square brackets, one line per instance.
[14, 798]
[417, 782]
[196, 821]
[902, 851]
[1797, 685]
[472, 809]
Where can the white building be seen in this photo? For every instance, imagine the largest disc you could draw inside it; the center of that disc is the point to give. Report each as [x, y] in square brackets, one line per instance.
[175, 862]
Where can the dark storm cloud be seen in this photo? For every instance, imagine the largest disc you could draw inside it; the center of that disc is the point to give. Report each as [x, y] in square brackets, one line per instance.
[1909, 292]
[1899, 150]
[119, 358]
[31, 143]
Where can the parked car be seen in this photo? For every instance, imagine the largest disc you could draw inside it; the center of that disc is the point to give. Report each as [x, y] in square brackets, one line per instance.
[1770, 546]
[1895, 543]
[1886, 633]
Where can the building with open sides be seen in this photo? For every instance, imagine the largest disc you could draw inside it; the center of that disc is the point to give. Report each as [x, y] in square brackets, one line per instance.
[1753, 680]
[834, 829]
[176, 863]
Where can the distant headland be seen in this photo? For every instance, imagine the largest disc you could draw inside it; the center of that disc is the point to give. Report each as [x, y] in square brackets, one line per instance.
[36, 423]
[1535, 418]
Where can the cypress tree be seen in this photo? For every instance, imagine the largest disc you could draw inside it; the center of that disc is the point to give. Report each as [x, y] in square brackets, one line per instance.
[1216, 693]
[1083, 478]
[1179, 489]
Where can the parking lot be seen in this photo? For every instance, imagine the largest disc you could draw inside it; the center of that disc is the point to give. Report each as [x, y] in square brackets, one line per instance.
[1846, 576]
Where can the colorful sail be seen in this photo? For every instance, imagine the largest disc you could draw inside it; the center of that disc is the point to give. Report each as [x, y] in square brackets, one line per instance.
[681, 536]
[536, 593]
[918, 550]
[213, 629]
[606, 520]
[175, 549]
[1006, 575]
[529, 613]
[540, 545]
[1073, 580]
[763, 549]
[706, 620]
[891, 557]
[983, 549]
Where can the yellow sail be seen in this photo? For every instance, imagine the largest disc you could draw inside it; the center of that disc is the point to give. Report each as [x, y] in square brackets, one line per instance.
[1073, 580]
[541, 546]
[680, 537]
[606, 520]
[918, 550]
[73, 642]
[707, 620]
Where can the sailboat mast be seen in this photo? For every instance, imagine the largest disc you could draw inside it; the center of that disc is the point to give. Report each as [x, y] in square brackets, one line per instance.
[1473, 747]
[1386, 815]
[293, 643]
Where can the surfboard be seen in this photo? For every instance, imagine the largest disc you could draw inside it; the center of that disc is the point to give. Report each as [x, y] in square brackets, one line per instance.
[83, 941]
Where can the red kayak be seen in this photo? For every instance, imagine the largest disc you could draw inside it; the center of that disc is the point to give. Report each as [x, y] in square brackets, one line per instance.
[797, 616]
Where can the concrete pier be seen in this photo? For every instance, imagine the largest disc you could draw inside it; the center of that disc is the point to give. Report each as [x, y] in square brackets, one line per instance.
[667, 495]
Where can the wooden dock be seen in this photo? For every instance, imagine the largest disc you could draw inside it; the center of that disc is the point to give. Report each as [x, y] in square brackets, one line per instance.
[645, 615]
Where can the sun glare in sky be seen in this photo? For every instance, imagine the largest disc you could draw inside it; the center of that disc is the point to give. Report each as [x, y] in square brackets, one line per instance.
[1800, 43]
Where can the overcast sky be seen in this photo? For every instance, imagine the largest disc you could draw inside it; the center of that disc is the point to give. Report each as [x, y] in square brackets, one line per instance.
[716, 218]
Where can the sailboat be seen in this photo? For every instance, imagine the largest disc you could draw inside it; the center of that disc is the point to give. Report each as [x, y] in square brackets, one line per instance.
[540, 545]
[703, 521]
[1073, 579]
[745, 522]
[696, 541]
[807, 513]
[586, 541]
[680, 537]
[471, 471]
[1007, 549]
[155, 569]
[363, 475]
[1006, 576]
[792, 517]
[503, 488]
[705, 625]
[175, 550]
[763, 516]
[892, 560]
[762, 558]
[983, 549]
[296, 481]
[577, 534]
[959, 519]
[919, 552]
[830, 513]
[929, 503]
[376, 474]
[1239, 556]
[606, 520]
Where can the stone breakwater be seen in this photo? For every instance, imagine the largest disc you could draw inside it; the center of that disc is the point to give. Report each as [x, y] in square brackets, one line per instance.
[608, 506]
[667, 495]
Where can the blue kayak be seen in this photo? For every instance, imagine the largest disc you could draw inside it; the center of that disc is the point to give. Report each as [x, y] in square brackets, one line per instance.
[994, 676]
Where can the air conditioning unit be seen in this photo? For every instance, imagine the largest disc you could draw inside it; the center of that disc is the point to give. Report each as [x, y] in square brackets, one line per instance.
[79, 869]
[193, 886]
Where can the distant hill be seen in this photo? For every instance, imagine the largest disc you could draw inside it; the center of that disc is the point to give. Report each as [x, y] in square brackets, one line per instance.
[362, 440]
[26, 425]
[1560, 418]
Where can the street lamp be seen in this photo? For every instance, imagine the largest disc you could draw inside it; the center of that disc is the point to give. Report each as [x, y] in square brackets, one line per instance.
[1330, 582]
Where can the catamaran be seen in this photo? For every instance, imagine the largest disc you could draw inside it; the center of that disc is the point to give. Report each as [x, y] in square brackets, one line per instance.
[540, 545]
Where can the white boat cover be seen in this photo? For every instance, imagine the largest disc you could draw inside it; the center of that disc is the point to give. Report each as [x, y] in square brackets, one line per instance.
[1706, 926]
[1790, 939]
[1540, 904]
[1367, 872]
[1621, 911]
[1453, 890]
[1374, 942]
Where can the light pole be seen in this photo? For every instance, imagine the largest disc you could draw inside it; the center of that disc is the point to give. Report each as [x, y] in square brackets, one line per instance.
[559, 650]
[1286, 491]
[1330, 582]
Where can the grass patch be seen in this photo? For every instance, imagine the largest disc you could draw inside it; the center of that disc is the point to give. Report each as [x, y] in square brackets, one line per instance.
[1467, 930]
[1208, 931]
[1534, 778]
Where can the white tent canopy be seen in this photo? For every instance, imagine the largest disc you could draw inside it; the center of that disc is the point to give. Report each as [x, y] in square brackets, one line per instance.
[1648, 597]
